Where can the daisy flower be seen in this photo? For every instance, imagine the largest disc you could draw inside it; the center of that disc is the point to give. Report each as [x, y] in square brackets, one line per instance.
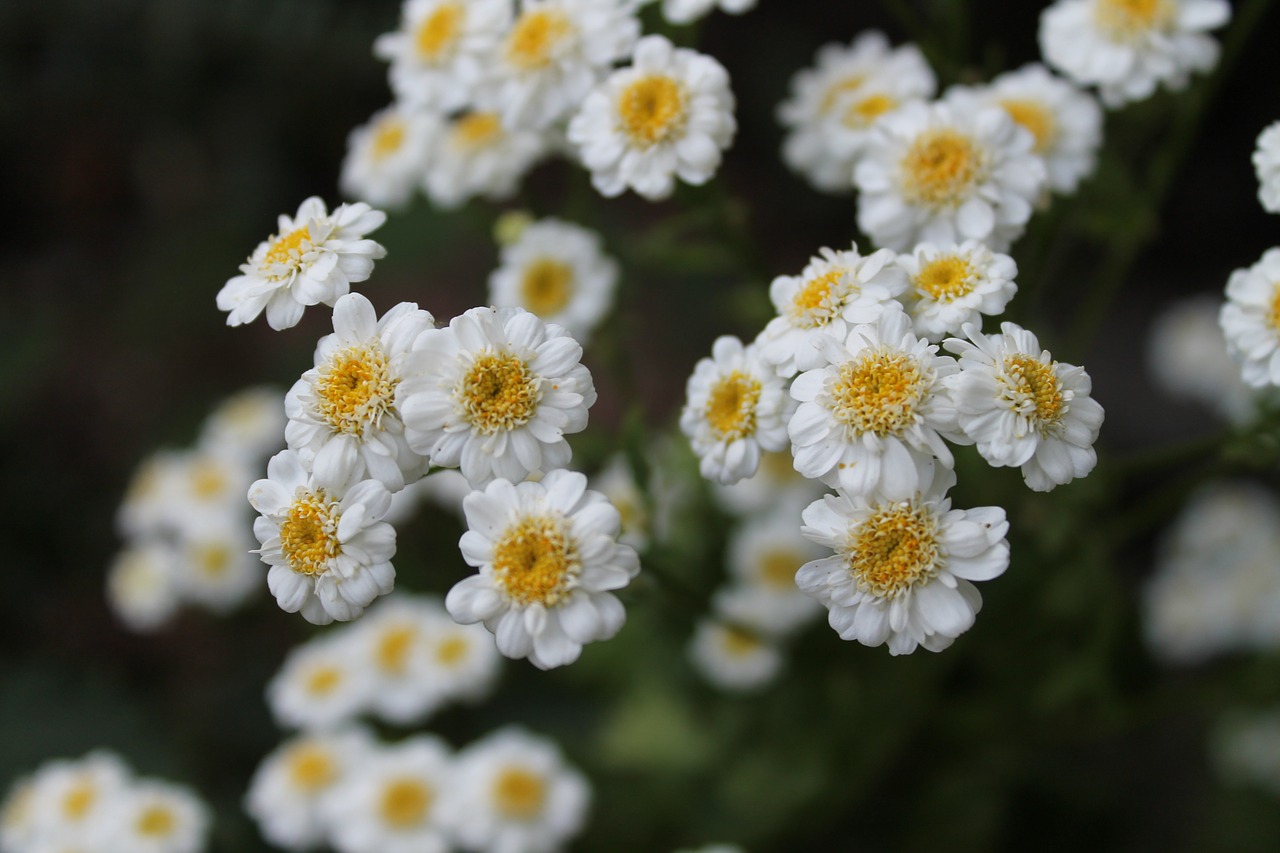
[1129, 47]
[216, 568]
[73, 800]
[835, 292]
[668, 115]
[204, 490]
[329, 552]
[1266, 163]
[152, 816]
[322, 684]
[1022, 408]
[387, 157]
[249, 423]
[833, 106]
[763, 557]
[513, 791]
[878, 409]
[558, 271]
[442, 50]
[732, 658]
[495, 392]
[476, 156]
[1250, 320]
[549, 561]
[936, 173]
[142, 587]
[313, 259]
[1186, 354]
[343, 420]
[735, 407]
[952, 286]
[688, 11]
[903, 567]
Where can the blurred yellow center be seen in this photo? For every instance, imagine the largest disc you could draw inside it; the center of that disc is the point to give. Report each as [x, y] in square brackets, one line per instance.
[208, 480]
[310, 768]
[476, 130]
[323, 680]
[864, 112]
[535, 37]
[405, 802]
[731, 406]
[1124, 20]
[839, 89]
[1033, 388]
[439, 31]
[393, 648]
[877, 393]
[651, 109]
[499, 393]
[819, 300]
[546, 286]
[452, 650]
[534, 562]
[355, 389]
[309, 533]
[388, 136]
[940, 168]
[1034, 117]
[739, 643]
[156, 821]
[518, 793]
[778, 568]
[288, 249]
[77, 801]
[945, 278]
[213, 560]
[1274, 316]
[893, 550]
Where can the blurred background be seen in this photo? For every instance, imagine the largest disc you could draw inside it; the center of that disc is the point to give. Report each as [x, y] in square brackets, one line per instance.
[148, 145]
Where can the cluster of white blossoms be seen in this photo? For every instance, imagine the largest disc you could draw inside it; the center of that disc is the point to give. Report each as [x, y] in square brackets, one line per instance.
[509, 791]
[95, 804]
[184, 522]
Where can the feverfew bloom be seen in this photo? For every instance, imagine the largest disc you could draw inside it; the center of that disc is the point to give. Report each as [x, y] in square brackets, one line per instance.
[617, 483]
[953, 286]
[735, 407]
[763, 557]
[1129, 47]
[668, 115]
[903, 565]
[495, 392]
[1266, 162]
[387, 157]
[732, 658]
[249, 422]
[442, 50]
[876, 411]
[72, 801]
[687, 11]
[313, 259]
[476, 156]
[322, 684]
[549, 560]
[513, 791]
[329, 552]
[216, 568]
[936, 173]
[558, 271]
[834, 105]
[1022, 408]
[142, 585]
[152, 816]
[835, 292]
[1251, 320]
[342, 413]
[1187, 355]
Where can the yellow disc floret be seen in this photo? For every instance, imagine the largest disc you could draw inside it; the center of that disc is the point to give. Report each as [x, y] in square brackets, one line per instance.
[546, 286]
[1036, 118]
[287, 250]
[310, 767]
[393, 648]
[452, 650]
[878, 392]
[864, 111]
[156, 821]
[945, 278]
[652, 109]
[355, 389]
[519, 793]
[77, 802]
[439, 31]
[537, 35]
[778, 568]
[388, 137]
[731, 406]
[941, 168]
[534, 562]
[476, 130]
[405, 802]
[309, 533]
[821, 299]
[1031, 387]
[1274, 317]
[499, 393]
[1130, 20]
[893, 550]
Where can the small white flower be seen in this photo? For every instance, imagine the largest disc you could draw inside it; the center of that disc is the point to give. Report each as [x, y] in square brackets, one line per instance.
[1250, 320]
[775, 482]
[73, 800]
[936, 173]
[1266, 163]
[144, 511]
[216, 569]
[1187, 355]
[322, 684]
[205, 489]
[495, 392]
[249, 422]
[558, 271]
[387, 157]
[313, 259]
[688, 11]
[152, 816]
[617, 483]
[835, 292]
[953, 286]
[1129, 47]
[732, 658]
[668, 115]
[876, 411]
[1022, 408]
[763, 557]
[329, 551]
[142, 586]
[549, 562]
[442, 50]
[902, 569]
[736, 405]
[512, 791]
[476, 156]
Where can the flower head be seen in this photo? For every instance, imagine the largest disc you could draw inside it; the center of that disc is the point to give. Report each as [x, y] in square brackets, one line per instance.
[1250, 320]
[387, 156]
[476, 155]
[1266, 163]
[952, 286]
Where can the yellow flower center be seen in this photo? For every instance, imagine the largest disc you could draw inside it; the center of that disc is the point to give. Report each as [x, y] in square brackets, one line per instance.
[476, 130]
[519, 794]
[864, 112]
[652, 109]
[536, 36]
[499, 393]
[837, 90]
[731, 406]
[213, 560]
[323, 680]
[1032, 388]
[778, 467]
[439, 31]
[820, 300]
[405, 802]
[893, 550]
[534, 562]
[1034, 117]
[877, 393]
[79, 800]
[1274, 316]
[778, 568]
[156, 821]
[546, 286]
[452, 650]
[739, 643]
[208, 480]
[288, 248]
[388, 136]
[393, 648]
[355, 389]
[309, 533]
[946, 278]
[940, 168]
[1129, 20]
[310, 768]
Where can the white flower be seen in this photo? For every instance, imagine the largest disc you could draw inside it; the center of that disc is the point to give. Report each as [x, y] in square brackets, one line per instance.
[953, 286]
[549, 560]
[313, 259]
[249, 422]
[835, 292]
[476, 156]
[668, 115]
[72, 801]
[145, 509]
[775, 482]
[495, 392]
[216, 568]
[732, 658]
[328, 550]
[736, 405]
[323, 684]
[617, 483]
[902, 569]
[1266, 163]
[553, 55]
[142, 585]
[442, 50]
[687, 11]
[285, 793]
[558, 271]
[1250, 320]
[387, 157]
[205, 489]
[834, 105]
[1066, 122]
[1129, 47]
[342, 413]
[1187, 355]
[393, 802]
[877, 410]
[763, 557]
[512, 791]
[936, 173]
[17, 821]
[151, 816]
[1022, 408]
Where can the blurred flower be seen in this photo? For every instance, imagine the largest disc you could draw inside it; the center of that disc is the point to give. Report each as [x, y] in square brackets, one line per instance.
[476, 156]
[775, 482]
[323, 684]
[687, 11]
[249, 422]
[1250, 320]
[952, 286]
[142, 585]
[732, 658]
[1266, 162]
[616, 482]
[216, 568]
[72, 801]
[1187, 355]
[153, 816]
[387, 157]
[763, 557]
